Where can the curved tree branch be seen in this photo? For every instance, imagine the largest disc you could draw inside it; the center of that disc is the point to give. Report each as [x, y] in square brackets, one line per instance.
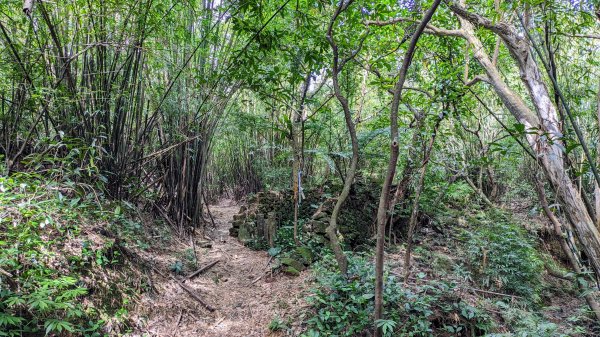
[331, 230]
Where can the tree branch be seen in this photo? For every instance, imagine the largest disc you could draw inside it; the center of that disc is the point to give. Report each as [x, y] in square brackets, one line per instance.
[429, 29]
[476, 79]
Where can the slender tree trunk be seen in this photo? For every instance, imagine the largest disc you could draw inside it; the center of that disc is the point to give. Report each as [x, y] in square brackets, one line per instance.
[408, 170]
[297, 145]
[479, 191]
[596, 186]
[391, 169]
[412, 223]
[338, 65]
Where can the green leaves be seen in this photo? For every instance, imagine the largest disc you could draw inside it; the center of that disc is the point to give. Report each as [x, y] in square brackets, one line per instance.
[7, 320]
[14, 301]
[176, 267]
[39, 302]
[274, 251]
[519, 129]
[502, 256]
[387, 326]
[72, 294]
[343, 305]
[39, 294]
[54, 325]
[368, 296]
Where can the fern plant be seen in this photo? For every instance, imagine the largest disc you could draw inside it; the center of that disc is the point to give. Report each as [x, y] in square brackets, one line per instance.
[38, 293]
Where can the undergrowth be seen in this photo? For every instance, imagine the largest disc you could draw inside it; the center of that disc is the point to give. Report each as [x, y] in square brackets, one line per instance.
[494, 252]
[342, 306]
[52, 261]
[502, 256]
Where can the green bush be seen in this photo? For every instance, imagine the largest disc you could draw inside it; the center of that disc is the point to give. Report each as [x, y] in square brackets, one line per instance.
[285, 239]
[45, 256]
[289, 257]
[344, 306]
[527, 324]
[68, 159]
[459, 194]
[278, 324]
[502, 256]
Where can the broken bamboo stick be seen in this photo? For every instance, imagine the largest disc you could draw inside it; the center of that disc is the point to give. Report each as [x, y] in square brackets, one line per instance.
[202, 270]
[193, 294]
[187, 290]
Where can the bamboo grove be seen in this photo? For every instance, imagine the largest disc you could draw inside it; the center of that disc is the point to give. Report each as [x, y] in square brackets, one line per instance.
[130, 91]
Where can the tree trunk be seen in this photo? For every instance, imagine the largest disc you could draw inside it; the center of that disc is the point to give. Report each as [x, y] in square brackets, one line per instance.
[297, 145]
[338, 65]
[596, 186]
[412, 223]
[589, 298]
[543, 135]
[408, 170]
[391, 169]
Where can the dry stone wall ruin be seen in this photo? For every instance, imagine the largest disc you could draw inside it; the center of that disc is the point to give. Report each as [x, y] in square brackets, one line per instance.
[267, 211]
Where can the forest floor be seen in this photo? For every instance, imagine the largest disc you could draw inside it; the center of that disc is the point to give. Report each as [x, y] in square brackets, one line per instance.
[245, 296]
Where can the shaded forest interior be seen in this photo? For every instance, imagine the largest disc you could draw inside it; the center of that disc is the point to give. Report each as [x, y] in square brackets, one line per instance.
[300, 168]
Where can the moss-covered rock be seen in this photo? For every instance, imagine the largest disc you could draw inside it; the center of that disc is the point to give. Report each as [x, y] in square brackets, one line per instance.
[290, 262]
[291, 271]
[306, 255]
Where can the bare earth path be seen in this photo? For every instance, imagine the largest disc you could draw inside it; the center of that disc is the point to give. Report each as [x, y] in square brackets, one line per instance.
[245, 304]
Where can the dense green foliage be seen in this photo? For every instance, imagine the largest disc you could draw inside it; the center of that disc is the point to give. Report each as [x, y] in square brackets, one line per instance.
[129, 118]
[431, 308]
[423, 307]
[44, 298]
[502, 256]
[51, 264]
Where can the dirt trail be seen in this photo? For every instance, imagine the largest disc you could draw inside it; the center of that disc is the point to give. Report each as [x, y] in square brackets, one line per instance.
[245, 304]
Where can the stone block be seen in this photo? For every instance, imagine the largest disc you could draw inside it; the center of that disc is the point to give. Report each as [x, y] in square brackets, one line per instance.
[291, 271]
[244, 235]
[260, 226]
[288, 261]
[271, 225]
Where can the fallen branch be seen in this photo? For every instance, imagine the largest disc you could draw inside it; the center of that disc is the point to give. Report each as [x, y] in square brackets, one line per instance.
[219, 322]
[263, 271]
[202, 270]
[176, 326]
[187, 289]
[193, 294]
[256, 279]
[555, 273]
[134, 256]
[179, 319]
[4, 272]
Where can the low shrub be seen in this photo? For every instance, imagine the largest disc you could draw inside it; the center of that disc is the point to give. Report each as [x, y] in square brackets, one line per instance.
[343, 306]
[38, 291]
[48, 265]
[530, 324]
[501, 255]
